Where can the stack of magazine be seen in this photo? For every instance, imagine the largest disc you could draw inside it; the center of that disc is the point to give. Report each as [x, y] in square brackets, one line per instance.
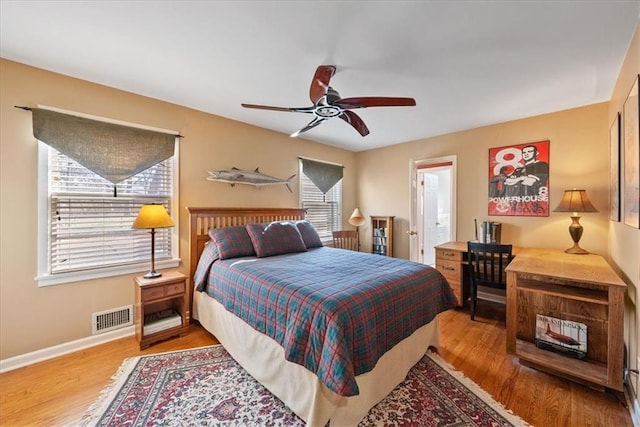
[160, 321]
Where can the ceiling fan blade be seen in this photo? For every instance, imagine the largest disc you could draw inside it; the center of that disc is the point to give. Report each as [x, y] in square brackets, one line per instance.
[320, 82]
[265, 107]
[374, 101]
[293, 110]
[313, 123]
[354, 120]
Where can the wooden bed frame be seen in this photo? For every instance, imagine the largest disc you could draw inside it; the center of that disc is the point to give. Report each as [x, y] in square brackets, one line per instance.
[201, 220]
[264, 359]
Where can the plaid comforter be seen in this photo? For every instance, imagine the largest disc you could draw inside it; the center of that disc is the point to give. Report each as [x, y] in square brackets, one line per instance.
[334, 311]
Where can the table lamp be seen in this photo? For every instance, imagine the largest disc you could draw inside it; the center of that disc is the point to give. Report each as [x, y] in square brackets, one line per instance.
[575, 201]
[152, 216]
[357, 219]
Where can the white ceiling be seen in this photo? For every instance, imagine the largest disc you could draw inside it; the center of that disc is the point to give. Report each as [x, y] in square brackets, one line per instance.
[467, 63]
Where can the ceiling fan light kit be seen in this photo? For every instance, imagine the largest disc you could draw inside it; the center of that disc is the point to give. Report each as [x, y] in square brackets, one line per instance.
[328, 104]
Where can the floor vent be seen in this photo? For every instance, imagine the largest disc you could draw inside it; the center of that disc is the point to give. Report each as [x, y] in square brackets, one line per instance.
[109, 320]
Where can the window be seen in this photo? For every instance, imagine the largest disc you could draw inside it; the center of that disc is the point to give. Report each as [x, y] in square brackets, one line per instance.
[86, 231]
[323, 210]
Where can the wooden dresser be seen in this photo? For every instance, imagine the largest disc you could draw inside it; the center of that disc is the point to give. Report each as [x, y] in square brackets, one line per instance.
[577, 288]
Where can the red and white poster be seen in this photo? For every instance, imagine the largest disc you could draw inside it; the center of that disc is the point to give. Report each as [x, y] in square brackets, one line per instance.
[519, 180]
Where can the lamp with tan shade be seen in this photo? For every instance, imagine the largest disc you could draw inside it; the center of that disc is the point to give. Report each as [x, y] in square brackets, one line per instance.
[357, 219]
[575, 201]
[153, 216]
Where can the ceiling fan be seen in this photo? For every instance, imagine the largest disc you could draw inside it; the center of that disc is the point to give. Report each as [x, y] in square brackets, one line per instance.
[327, 103]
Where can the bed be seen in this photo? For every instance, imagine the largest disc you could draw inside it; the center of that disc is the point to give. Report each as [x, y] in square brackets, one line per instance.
[328, 365]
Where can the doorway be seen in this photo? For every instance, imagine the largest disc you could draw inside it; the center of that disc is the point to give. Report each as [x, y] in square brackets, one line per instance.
[433, 218]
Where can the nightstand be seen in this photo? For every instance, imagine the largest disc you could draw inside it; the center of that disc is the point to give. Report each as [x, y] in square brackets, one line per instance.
[161, 309]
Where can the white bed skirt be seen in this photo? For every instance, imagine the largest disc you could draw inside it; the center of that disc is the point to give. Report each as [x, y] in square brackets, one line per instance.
[298, 387]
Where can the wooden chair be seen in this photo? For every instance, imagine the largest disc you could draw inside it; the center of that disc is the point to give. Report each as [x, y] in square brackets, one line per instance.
[487, 262]
[345, 239]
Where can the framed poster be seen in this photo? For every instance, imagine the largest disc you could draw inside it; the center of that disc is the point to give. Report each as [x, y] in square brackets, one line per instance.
[631, 158]
[519, 180]
[614, 190]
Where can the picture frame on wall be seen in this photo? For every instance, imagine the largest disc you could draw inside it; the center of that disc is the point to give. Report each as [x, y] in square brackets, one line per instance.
[614, 190]
[631, 138]
[519, 180]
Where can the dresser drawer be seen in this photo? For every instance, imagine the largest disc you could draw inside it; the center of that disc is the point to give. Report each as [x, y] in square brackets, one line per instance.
[167, 290]
[448, 254]
[450, 270]
[174, 289]
[149, 294]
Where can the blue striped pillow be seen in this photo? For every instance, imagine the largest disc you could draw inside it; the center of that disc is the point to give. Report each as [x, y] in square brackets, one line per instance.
[275, 238]
[232, 242]
[309, 234]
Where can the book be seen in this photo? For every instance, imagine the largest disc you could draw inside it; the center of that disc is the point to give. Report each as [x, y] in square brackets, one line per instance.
[160, 321]
[561, 336]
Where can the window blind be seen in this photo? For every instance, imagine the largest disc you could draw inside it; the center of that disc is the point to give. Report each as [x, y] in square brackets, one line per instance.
[89, 228]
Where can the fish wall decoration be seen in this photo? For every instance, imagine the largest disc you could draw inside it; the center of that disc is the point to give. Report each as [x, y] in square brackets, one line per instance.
[256, 178]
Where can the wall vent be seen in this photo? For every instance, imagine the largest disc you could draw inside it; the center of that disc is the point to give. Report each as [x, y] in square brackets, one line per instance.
[109, 320]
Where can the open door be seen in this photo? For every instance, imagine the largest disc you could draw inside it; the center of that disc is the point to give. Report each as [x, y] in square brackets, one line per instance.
[433, 218]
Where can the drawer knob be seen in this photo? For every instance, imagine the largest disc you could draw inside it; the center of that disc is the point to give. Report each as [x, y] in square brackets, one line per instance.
[446, 267]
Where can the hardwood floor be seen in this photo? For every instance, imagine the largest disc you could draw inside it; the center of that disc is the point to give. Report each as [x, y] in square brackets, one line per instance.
[58, 391]
[477, 348]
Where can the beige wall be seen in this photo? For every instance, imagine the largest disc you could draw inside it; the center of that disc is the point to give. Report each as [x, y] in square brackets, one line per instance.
[33, 317]
[579, 151]
[624, 242]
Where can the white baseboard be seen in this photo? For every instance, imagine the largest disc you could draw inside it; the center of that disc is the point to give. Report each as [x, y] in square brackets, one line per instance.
[62, 349]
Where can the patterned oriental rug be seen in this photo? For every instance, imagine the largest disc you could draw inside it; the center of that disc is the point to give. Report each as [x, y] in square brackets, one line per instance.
[207, 387]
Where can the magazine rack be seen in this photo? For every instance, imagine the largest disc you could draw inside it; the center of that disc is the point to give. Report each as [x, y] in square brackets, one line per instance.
[574, 288]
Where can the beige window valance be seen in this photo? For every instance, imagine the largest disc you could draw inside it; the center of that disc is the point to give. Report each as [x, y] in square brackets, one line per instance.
[323, 175]
[113, 151]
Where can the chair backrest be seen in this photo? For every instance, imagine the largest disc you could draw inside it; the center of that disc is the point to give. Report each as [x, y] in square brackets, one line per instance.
[487, 262]
[345, 239]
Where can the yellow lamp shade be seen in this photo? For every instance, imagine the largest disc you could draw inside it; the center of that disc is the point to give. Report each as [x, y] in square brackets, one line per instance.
[152, 216]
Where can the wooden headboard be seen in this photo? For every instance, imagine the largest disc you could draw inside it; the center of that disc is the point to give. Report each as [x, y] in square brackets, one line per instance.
[201, 220]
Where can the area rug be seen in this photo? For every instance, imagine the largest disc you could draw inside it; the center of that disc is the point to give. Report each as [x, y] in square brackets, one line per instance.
[207, 387]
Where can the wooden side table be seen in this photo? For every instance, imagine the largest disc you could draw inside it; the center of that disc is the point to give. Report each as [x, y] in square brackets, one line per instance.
[577, 288]
[161, 309]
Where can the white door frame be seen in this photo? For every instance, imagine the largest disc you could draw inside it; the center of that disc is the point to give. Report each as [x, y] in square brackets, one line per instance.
[415, 240]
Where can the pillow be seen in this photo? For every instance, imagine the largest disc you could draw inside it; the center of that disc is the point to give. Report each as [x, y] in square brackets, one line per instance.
[309, 234]
[232, 242]
[208, 257]
[275, 239]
